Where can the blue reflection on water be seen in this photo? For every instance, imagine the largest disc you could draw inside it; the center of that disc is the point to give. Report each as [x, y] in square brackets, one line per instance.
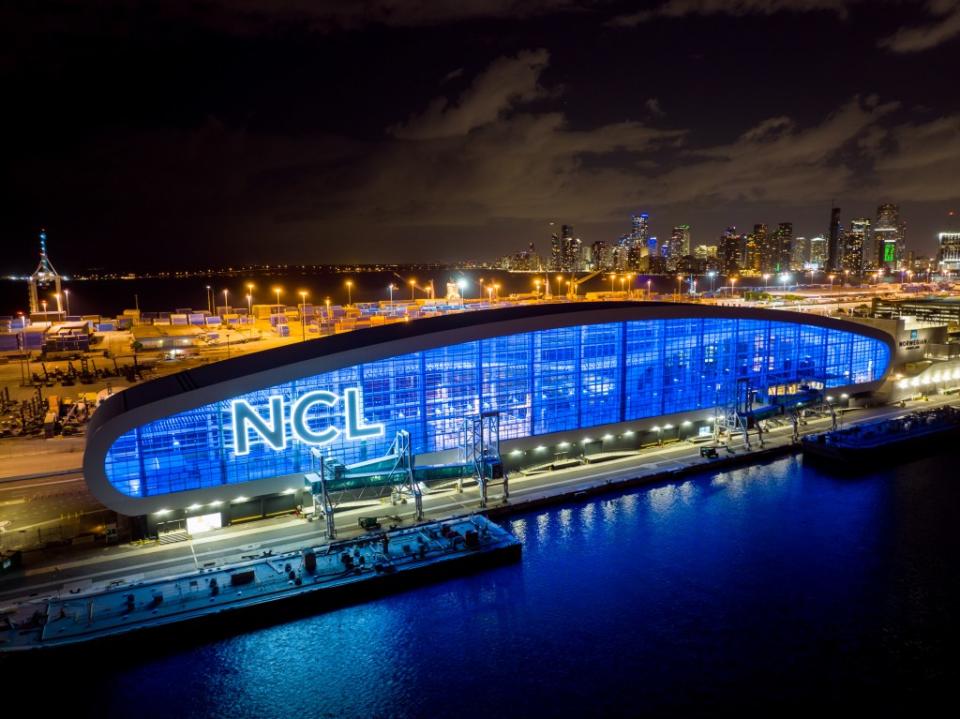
[773, 586]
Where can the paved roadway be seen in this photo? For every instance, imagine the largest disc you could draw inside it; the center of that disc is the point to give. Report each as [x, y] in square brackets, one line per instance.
[102, 565]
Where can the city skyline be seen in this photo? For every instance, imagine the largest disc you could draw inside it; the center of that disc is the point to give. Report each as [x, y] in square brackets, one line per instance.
[313, 133]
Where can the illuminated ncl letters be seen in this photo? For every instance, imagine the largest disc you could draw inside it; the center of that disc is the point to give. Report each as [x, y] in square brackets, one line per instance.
[272, 429]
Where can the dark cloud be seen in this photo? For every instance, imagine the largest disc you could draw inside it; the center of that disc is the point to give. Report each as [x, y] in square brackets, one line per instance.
[683, 8]
[438, 131]
[944, 27]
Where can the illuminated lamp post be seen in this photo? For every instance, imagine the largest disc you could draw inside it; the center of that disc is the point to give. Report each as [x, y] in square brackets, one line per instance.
[66, 297]
[226, 301]
[830, 277]
[250, 287]
[391, 287]
[303, 315]
[278, 290]
[56, 296]
[766, 276]
[349, 292]
[712, 274]
[496, 290]
[413, 289]
[559, 285]
[249, 305]
[536, 284]
[649, 294]
[462, 285]
[733, 286]
[209, 300]
[44, 303]
[679, 280]
[613, 279]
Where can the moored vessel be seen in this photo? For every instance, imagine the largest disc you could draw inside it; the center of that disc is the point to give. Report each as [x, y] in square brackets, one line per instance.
[890, 440]
[307, 580]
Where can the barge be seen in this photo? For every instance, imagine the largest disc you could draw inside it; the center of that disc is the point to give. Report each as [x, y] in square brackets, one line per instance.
[305, 580]
[886, 441]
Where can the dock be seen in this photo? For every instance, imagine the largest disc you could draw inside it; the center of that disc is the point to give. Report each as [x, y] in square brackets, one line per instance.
[349, 569]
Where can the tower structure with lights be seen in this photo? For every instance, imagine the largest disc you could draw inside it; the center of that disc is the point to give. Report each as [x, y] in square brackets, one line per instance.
[44, 277]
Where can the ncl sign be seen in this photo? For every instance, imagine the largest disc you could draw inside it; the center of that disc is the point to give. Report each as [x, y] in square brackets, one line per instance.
[273, 431]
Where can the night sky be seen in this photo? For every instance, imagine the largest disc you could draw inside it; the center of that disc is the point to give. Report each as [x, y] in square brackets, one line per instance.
[179, 133]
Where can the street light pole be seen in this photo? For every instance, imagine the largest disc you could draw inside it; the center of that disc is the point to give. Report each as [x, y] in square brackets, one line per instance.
[66, 296]
[349, 292]
[413, 290]
[303, 316]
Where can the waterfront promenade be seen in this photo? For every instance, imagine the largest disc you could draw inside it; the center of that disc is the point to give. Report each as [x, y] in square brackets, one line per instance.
[58, 572]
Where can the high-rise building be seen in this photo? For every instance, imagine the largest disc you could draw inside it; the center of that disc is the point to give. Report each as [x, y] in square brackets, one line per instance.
[680, 240]
[782, 247]
[729, 251]
[764, 254]
[834, 248]
[889, 237]
[818, 252]
[602, 255]
[854, 241]
[769, 243]
[948, 252]
[566, 251]
[556, 252]
[800, 255]
[620, 255]
[640, 235]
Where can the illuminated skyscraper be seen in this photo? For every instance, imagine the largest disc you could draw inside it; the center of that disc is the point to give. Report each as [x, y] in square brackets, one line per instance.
[818, 252]
[781, 247]
[800, 254]
[677, 247]
[854, 241]
[602, 255]
[764, 247]
[834, 247]
[729, 251]
[889, 236]
[948, 254]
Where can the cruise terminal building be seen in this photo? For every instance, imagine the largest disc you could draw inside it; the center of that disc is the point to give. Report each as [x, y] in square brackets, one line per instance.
[237, 438]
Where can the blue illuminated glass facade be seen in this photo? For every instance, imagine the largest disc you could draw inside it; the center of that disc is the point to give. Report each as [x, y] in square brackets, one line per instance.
[540, 382]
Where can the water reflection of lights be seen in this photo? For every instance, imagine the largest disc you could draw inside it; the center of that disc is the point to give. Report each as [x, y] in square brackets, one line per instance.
[588, 515]
[543, 525]
[519, 529]
[662, 498]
